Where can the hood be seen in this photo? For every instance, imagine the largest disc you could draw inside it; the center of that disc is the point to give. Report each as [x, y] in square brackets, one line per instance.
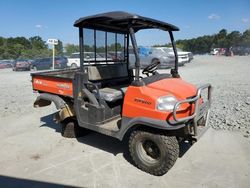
[174, 86]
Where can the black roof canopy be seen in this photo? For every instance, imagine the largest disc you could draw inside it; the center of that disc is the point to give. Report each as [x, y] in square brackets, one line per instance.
[120, 22]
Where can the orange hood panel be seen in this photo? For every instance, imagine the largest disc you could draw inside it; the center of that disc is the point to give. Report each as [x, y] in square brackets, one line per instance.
[177, 87]
[141, 101]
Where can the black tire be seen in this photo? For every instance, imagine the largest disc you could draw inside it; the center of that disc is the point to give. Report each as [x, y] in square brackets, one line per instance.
[73, 65]
[153, 153]
[71, 129]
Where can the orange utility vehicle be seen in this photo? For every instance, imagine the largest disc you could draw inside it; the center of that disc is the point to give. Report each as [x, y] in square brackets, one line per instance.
[154, 111]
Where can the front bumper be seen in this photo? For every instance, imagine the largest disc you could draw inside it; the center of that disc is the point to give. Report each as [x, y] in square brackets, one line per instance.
[200, 110]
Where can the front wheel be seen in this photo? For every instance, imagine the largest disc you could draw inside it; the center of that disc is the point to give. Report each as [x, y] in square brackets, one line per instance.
[152, 152]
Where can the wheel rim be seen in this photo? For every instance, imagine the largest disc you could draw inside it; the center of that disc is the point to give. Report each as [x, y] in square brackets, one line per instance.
[73, 65]
[148, 151]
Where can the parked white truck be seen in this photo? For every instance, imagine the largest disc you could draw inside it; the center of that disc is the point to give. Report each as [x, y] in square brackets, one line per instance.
[74, 60]
[89, 57]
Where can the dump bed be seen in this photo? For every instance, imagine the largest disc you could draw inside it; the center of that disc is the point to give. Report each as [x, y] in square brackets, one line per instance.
[58, 82]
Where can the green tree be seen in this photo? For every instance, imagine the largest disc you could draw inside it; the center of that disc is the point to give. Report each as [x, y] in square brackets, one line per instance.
[59, 48]
[234, 39]
[71, 48]
[37, 43]
[245, 39]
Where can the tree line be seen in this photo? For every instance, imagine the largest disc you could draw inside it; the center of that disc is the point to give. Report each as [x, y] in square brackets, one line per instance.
[35, 47]
[21, 47]
[223, 39]
[204, 44]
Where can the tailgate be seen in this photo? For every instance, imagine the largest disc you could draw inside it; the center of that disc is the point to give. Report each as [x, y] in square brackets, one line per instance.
[55, 85]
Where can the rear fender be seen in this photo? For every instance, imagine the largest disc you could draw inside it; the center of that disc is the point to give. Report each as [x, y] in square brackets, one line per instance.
[66, 110]
[45, 99]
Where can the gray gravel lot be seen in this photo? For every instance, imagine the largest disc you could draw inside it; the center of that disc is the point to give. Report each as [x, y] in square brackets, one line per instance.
[33, 149]
[230, 78]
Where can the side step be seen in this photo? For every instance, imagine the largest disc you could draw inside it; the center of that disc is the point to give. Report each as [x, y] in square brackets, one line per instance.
[110, 128]
[113, 125]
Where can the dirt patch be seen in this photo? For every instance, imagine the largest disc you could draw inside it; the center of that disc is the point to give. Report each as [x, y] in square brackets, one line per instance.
[35, 157]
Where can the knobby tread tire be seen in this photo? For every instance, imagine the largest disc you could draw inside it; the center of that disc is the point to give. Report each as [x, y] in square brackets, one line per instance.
[70, 129]
[169, 148]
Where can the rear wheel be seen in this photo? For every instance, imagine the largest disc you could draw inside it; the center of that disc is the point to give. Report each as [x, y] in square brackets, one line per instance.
[34, 68]
[152, 152]
[71, 129]
[73, 65]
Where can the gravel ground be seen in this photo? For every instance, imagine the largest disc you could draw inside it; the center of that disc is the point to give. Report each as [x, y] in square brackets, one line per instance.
[34, 151]
[229, 77]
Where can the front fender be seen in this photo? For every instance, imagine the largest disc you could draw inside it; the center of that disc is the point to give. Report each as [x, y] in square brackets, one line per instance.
[128, 123]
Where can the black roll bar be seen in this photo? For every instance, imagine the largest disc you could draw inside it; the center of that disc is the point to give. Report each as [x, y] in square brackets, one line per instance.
[174, 71]
[137, 58]
[81, 47]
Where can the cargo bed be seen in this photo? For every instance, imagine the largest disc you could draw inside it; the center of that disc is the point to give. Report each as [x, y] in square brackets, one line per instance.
[58, 82]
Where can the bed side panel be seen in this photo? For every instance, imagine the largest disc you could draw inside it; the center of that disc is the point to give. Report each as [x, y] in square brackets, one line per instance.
[53, 85]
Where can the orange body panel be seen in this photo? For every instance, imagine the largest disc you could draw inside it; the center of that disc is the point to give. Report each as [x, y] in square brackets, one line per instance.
[57, 86]
[141, 101]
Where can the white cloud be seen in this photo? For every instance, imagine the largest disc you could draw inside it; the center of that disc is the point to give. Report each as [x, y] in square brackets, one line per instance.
[245, 20]
[213, 17]
[38, 26]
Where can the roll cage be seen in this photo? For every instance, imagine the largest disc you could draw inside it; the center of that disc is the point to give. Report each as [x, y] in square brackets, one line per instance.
[126, 24]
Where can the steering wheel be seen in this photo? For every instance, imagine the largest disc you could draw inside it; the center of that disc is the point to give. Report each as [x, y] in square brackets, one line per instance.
[151, 68]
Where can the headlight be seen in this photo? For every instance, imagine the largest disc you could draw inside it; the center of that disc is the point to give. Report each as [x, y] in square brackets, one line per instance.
[166, 103]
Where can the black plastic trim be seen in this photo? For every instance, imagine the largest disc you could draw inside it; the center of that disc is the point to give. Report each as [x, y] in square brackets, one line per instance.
[155, 78]
[128, 123]
[58, 101]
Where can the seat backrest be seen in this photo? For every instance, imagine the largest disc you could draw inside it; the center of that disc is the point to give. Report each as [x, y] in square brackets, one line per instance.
[105, 72]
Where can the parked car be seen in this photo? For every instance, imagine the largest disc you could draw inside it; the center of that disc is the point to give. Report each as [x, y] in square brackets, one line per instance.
[183, 57]
[61, 62]
[239, 50]
[6, 64]
[74, 60]
[103, 55]
[190, 54]
[21, 64]
[89, 58]
[42, 64]
[46, 63]
[116, 56]
[149, 55]
[214, 51]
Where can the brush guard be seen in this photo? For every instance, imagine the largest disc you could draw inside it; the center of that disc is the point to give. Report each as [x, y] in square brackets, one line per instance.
[201, 112]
